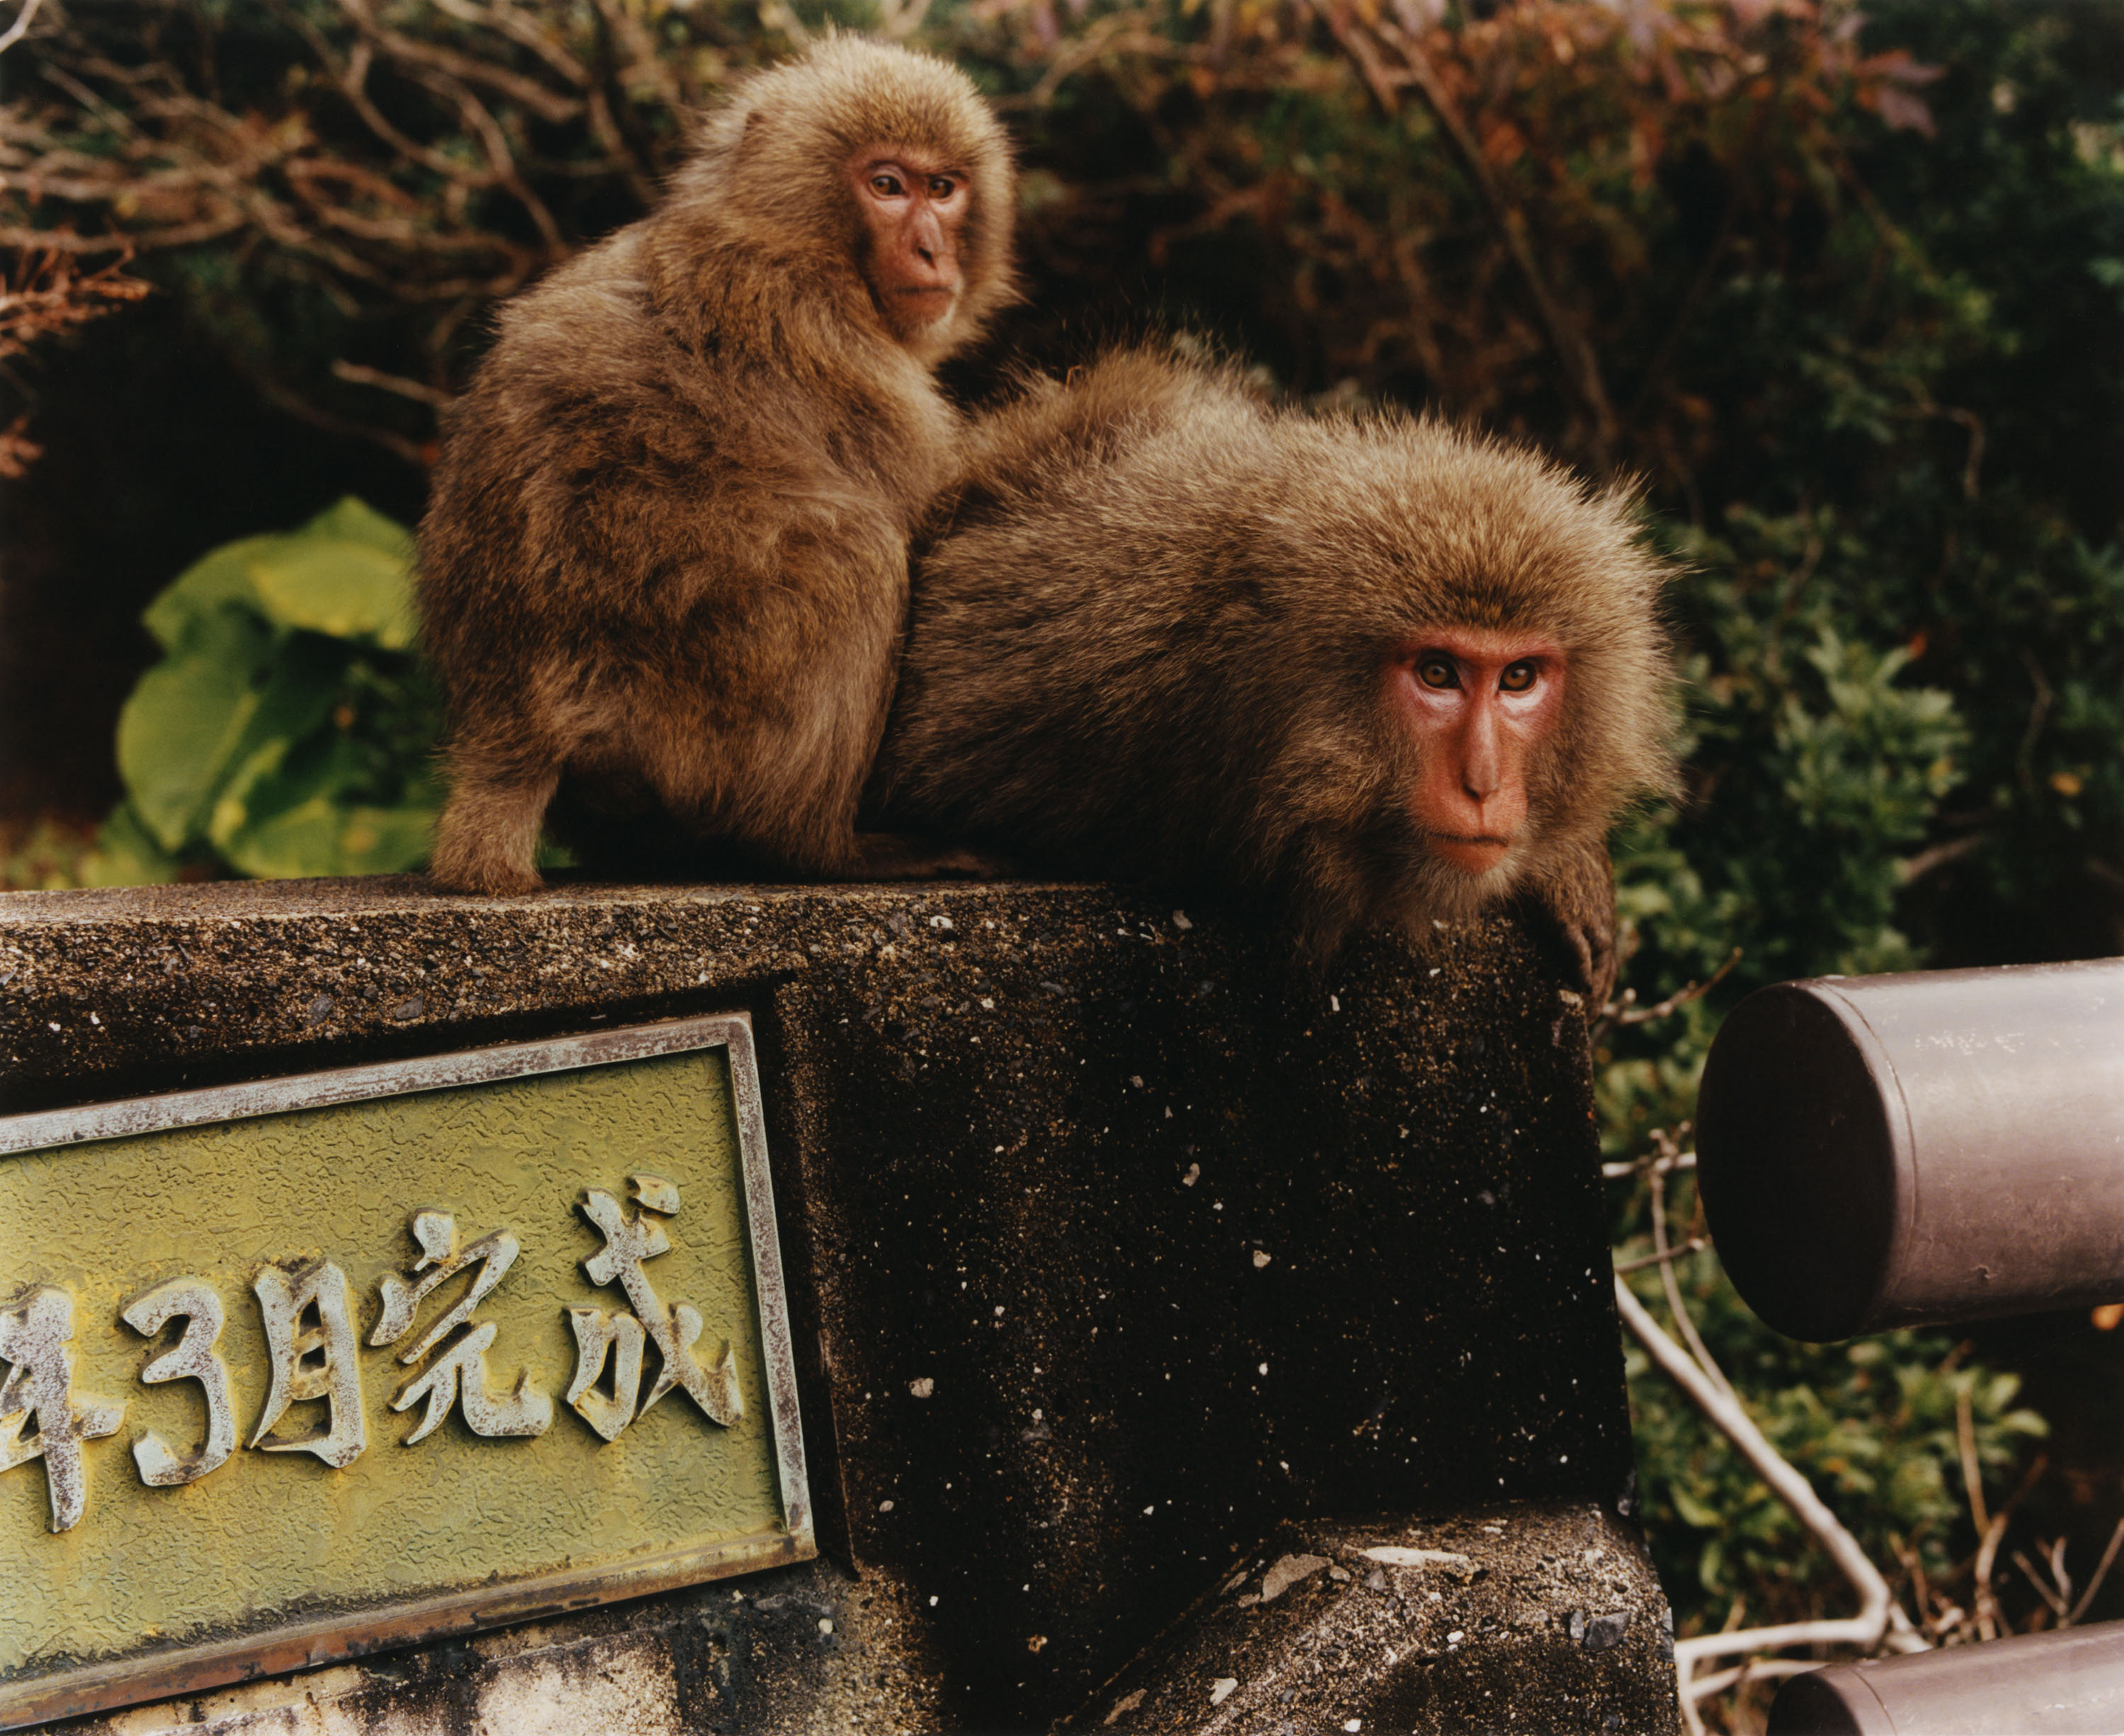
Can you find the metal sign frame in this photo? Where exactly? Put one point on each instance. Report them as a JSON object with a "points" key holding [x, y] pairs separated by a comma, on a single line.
{"points": [[302, 1644]]}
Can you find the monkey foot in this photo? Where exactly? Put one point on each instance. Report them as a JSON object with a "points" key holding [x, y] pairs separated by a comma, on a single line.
{"points": [[487, 880]]}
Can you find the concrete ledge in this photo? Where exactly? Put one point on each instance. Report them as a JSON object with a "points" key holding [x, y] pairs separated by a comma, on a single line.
{"points": [[1110, 1244], [1536, 1616]]}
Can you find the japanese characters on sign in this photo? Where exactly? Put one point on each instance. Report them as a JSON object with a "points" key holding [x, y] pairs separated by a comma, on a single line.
{"points": [[295, 1368], [307, 1311]]}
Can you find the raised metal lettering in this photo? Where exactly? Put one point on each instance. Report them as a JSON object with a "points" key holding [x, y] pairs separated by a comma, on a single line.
{"points": [[194, 1358], [628, 1242], [460, 1375], [34, 1332], [311, 1361]]}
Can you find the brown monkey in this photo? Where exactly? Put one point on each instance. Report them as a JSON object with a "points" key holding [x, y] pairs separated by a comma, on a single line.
{"points": [[1377, 671], [666, 555]]}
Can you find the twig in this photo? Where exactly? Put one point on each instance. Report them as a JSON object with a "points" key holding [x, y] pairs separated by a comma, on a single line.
{"points": [[1987, 1552], [20, 27], [1972, 1476], [1935, 856], [1694, 1244], [2039, 711], [2101, 1573], [2027, 1572], [1625, 1011], [1581, 369], [1733, 1675], [1668, 1283], [356, 375], [1878, 1616], [1638, 1166], [1987, 1601]]}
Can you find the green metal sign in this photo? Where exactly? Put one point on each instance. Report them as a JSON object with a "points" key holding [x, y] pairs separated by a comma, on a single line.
{"points": [[294, 1370]]}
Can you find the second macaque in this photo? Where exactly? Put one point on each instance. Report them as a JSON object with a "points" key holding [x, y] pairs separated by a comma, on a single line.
{"points": [[1373, 670], [664, 571]]}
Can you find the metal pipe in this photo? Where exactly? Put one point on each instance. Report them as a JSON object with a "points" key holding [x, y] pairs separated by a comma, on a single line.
{"points": [[2064, 1683], [1944, 1145]]}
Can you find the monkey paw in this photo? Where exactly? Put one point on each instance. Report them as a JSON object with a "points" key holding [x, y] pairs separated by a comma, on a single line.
{"points": [[488, 879], [888, 856], [1573, 901]]}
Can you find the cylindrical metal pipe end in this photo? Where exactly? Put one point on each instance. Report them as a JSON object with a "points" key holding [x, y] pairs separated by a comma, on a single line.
{"points": [[1901, 1150], [1800, 1160], [2066, 1683]]}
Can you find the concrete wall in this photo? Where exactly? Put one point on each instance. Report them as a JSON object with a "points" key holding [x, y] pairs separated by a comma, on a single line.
{"points": [[1113, 1246]]}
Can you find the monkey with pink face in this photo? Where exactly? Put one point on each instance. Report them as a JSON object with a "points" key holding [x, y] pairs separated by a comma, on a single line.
{"points": [[1375, 670], [664, 572]]}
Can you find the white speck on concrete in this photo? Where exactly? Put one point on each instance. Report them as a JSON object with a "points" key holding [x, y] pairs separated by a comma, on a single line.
{"points": [[1394, 1555]]}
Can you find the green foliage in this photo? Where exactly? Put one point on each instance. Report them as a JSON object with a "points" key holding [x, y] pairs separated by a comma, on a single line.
{"points": [[1872, 1424], [287, 728]]}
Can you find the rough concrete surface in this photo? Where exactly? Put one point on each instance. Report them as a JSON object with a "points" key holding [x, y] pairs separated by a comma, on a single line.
{"points": [[1111, 1244], [1514, 1617], [802, 1651]]}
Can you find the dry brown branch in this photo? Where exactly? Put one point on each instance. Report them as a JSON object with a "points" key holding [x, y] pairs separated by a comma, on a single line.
{"points": [[1567, 337], [356, 375], [1625, 1011], [1879, 1620], [20, 28], [1694, 1244], [1972, 1478], [2101, 1573], [1656, 1178], [44, 293], [2057, 1605]]}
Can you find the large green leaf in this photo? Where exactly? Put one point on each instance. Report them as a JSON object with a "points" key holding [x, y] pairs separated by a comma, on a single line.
{"points": [[185, 722], [293, 810], [346, 589], [216, 580], [354, 521], [296, 696], [126, 853], [319, 836]]}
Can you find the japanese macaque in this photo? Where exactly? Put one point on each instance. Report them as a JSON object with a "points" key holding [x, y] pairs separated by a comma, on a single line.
{"points": [[1372, 669], [666, 558]]}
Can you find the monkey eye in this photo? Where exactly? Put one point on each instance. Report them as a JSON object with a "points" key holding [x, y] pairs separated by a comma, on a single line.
{"points": [[942, 186], [1518, 677], [1434, 668], [887, 185]]}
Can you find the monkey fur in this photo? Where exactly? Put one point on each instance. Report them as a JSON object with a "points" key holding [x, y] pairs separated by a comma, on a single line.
{"points": [[1147, 638], [666, 556]]}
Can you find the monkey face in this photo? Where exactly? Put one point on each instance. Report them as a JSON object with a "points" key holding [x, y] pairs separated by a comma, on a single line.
{"points": [[1478, 704], [913, 207]]}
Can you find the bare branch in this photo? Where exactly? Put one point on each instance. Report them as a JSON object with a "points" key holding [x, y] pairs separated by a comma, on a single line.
{"points": [[1878, 1618], [20, 28], [2101, 1573], [1656, 1177], [1582, 369], [1626, 1012], [1694, 1244], [356, 375]]}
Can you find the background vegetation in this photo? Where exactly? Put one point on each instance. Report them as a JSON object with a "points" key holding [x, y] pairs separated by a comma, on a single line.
{"points": [[1846, 290]]}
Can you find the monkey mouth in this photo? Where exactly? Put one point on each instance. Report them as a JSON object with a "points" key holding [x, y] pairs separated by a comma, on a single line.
{"points": [[1473, 853]]}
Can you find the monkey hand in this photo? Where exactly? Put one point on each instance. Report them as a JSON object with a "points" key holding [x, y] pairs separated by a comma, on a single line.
{"points": [[889, 856], [1572, 899]]}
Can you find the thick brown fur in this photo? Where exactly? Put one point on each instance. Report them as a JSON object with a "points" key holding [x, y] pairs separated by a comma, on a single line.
{"points": [[666, 554], [1149, 640]]}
